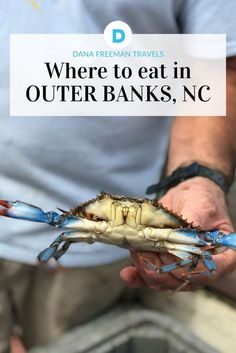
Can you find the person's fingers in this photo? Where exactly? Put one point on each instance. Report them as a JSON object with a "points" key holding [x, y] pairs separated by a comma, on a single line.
{"points": [[225, 261], [162, 281], [16, 345], [197, 278], [178, 280], [132, 278], [158, 282]]}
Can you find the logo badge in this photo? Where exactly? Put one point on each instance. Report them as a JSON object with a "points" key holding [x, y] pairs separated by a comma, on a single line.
{"points": [[117, 34]]}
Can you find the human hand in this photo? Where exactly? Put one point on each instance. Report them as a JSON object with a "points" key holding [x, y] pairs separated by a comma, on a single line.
{"points": [[16, 345], [202, 202]]}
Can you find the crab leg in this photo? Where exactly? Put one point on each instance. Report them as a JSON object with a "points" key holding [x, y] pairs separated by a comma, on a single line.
{"points": [[191, 236], [25, 211], [83, 228], [61, 251], [179, 235], [49, 252], [67, 238], [208, 262], [187, 259]]}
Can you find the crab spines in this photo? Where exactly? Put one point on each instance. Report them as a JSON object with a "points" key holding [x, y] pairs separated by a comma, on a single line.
{"points": [[25, 211]]}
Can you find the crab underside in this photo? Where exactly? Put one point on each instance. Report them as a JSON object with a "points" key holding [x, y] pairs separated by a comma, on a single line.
{"points": [[141, 224]]}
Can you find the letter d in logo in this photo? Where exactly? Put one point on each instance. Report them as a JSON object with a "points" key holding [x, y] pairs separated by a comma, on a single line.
{"points": [[117, 35]]}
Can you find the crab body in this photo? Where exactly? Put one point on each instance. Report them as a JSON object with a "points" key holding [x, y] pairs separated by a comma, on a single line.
{"points": [[141, 224]]}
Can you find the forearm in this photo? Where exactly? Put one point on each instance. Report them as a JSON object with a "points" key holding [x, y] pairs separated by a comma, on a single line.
{"points": [[207, 140], [210, 141]]}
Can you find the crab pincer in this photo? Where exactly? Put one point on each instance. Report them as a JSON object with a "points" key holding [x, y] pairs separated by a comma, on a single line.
{"points": [[25, 211], [52, 251], [218, 238]]}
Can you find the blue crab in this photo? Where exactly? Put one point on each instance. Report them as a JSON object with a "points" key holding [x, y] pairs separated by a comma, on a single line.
{"points": [[141, 224]]}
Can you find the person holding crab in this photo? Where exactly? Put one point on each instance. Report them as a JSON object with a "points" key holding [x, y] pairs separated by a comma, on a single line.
{"points": [[67, 160]]}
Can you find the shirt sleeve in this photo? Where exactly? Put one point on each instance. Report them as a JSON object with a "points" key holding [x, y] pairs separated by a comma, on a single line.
{"points": [[210, 17]]}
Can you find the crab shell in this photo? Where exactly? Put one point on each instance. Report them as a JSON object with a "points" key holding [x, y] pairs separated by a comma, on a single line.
{"points": [[129, 222], [134, 212]]}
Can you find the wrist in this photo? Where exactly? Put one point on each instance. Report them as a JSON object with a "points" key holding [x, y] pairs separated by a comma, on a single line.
{"points": [[206, 140], [188, 172], [226, 169], [199, 182]]}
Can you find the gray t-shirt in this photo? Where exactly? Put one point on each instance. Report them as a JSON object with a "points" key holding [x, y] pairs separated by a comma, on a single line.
{"points": [[62, 161]]}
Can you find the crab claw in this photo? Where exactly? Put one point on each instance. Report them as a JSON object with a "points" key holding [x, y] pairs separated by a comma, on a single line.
{"points": [[22, 210], [7, 205], [218, 238], [51, 251], [47, 254], [229, 241]]}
